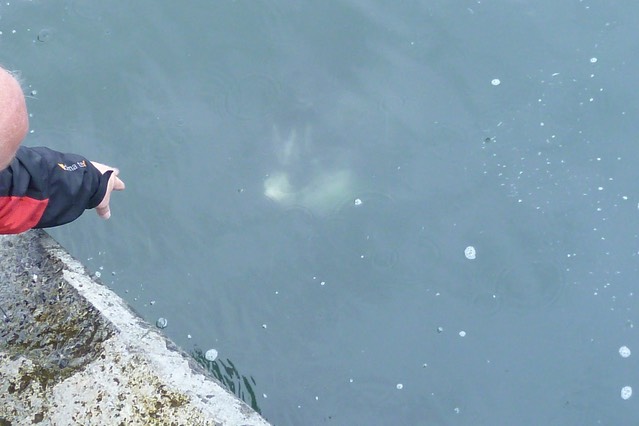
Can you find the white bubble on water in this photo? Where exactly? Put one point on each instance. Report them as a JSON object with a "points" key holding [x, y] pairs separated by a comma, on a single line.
{"points": [[495, 82], [211, 355], [400, 386], [626, 392], [470, 252], [624, 351], [161, 323]]}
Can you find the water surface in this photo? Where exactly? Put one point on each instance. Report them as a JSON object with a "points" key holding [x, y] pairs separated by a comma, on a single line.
{"points": [[303, 180]]}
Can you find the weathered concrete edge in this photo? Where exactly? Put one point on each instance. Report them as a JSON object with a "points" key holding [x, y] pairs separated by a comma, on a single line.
{"points": [[162, 363]]}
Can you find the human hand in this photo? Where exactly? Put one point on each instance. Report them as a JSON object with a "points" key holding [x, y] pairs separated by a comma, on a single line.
{"points": [[115, 184]]}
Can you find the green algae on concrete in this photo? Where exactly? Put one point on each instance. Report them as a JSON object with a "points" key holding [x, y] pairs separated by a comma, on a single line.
{"points": [[72, 352], [43, 318]]}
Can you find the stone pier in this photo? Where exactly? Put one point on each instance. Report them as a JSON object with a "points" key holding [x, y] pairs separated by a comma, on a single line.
{"points": [[72, 352]]}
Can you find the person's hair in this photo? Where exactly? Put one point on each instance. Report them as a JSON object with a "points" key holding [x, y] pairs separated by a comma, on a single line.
{"points": [[16, 74]]}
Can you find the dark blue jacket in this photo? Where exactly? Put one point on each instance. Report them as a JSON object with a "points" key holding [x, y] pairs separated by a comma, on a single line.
{"points": [[42, 188]]}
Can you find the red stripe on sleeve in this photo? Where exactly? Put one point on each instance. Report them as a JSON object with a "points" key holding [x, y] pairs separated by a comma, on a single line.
{"points": [[19, 214]]}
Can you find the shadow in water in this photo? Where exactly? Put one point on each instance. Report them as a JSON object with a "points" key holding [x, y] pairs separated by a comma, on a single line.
{"points": [[228, 375]]}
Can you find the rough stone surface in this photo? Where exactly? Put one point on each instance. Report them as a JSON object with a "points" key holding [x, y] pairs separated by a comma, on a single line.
{"points": [[72, 352]]}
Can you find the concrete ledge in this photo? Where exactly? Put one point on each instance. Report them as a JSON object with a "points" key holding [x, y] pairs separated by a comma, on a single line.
{"points": [[73, 352]]}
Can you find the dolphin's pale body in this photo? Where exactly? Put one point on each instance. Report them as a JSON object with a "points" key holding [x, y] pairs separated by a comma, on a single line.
{"points": [[319, 188]]}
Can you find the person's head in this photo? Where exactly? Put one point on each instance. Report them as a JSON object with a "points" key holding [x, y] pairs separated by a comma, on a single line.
{"points": [[14, 120]]}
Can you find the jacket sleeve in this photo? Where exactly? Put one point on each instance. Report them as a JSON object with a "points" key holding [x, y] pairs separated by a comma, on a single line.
{"points": [[42, 188]]}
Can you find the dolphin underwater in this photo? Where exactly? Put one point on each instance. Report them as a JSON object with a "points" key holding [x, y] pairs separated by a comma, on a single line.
{"points": [[324, 188]]}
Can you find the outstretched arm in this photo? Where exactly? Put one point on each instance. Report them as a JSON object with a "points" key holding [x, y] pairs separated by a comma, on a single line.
{"points": [[43, 188]]}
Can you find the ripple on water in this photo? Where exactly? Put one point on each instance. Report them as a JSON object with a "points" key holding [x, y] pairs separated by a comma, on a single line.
{"points": [[383, 236], [530, 284], [470, 282], [486, 303], [45, 35], [516, 266]]}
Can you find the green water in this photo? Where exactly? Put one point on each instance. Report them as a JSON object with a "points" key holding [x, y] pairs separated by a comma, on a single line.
{"points": [[304, 177]]}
